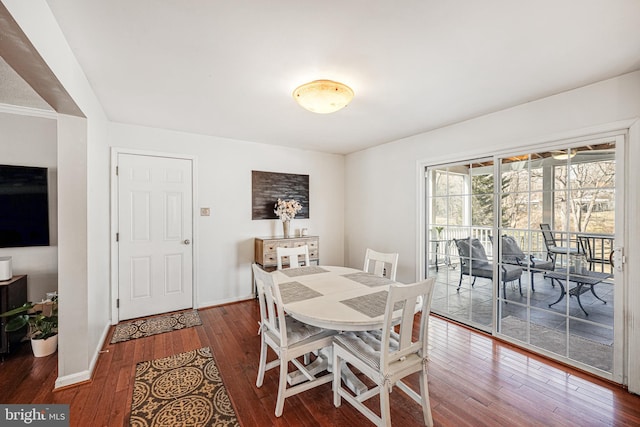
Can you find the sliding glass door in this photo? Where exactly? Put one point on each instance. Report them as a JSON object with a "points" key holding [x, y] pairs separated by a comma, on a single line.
{"points": [[526, 246], [460, 205]]}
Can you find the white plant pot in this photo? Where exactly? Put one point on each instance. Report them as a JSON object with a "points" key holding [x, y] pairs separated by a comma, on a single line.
{"points": [[42, 348]]}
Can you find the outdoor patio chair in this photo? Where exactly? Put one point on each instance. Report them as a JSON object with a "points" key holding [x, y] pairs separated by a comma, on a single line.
{"points": [[552, 248], [591, 256], [512, 254], [474, 263]]}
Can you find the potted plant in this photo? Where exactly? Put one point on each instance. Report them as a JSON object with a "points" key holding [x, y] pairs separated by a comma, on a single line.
{"points": [[42, 321]]}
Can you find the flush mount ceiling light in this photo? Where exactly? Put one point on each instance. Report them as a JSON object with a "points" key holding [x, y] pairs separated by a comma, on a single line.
{"points": [[564, 154], [323, 96]]}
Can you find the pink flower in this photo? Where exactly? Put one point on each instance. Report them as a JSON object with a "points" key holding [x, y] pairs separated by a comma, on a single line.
{"points": [[287, 209]]}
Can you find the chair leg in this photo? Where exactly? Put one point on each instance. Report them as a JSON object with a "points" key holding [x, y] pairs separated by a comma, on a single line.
{"points": [[424, 394], [385, 409], [282, 385], [520, 285], [460, 281], [533, 288], [262, 364], [337, 373]]}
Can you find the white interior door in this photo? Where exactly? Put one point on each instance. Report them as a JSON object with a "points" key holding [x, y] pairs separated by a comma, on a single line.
{"points": [[155, 256]]}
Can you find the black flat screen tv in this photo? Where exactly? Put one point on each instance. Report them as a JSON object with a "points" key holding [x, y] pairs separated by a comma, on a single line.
{"points": [[24, 206]]}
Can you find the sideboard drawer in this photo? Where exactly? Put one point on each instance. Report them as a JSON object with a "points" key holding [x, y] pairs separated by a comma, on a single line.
{"points": [[265, 248], [270, 246]]}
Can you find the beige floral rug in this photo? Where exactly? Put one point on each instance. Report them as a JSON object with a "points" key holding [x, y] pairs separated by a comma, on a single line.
{"points": [[181, 390], [155, 325]]}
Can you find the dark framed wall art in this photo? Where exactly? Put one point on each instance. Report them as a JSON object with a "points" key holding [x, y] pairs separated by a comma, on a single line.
{"points": [[268, 187]]}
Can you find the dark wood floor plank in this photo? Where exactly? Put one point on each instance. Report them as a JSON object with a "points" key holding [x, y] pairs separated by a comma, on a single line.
{"points": [[474, 380]]}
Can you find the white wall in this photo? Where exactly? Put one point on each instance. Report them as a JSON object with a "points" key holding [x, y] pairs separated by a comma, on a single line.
{"points": [[224, 242], [389, 188], [32, 141], [374, 183], [83, 249], [73, 357]]}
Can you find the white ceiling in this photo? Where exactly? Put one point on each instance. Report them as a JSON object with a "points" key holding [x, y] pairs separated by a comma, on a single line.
{"points": [[227, 68]]}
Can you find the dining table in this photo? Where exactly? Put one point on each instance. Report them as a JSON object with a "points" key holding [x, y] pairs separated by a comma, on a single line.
{"points": [[333, 297], [337, 298]]}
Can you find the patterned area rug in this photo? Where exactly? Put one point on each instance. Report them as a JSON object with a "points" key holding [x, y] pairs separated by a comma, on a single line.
{"points": [[155, 325], [181, 390]]}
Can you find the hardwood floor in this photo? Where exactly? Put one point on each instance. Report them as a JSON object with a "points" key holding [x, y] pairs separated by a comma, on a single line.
{"points": [[474, 380]]}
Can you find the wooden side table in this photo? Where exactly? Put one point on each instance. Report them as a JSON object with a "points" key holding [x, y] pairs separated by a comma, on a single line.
{"points": [[13, 294], [265, 249]]}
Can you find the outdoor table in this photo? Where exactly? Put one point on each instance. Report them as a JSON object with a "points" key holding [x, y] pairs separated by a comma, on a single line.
{"points": [[586, 280]]}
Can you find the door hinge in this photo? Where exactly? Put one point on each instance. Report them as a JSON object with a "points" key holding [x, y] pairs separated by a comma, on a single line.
{"points": [[118, 303], [117, 170], [117, 237]]}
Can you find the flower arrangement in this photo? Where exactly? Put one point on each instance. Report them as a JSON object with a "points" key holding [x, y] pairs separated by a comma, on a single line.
{"points": [[287, 209]]}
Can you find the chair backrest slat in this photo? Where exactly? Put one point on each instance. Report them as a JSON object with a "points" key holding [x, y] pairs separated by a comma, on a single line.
{"points": [[271, 310], [293, 254], [408, 297], [549, 239], [381, 262]]}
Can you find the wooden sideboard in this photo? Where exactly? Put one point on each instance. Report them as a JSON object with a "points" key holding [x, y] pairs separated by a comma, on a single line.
{"points": [[13, 294], [265, 249]]}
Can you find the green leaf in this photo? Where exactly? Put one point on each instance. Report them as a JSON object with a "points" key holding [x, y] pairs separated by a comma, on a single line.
{"points": [[22, 309], [17, 323]]}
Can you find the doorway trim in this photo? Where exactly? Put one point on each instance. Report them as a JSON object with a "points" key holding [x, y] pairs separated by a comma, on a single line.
{"points": [[113, 225]]}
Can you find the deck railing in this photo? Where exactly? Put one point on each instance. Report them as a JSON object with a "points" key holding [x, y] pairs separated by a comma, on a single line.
{"points": [[599, 250]]}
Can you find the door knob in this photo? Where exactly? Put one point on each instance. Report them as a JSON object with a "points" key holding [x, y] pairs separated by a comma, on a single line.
{"points": [[187, 241]]}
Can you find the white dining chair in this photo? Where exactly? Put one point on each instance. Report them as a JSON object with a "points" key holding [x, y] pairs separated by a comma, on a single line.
{"points": [[386, 356], [381, 264], [293, 255], [289, 339]]}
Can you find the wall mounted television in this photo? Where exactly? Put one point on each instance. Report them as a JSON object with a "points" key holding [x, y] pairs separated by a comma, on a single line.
{"points": [[24, 206]]}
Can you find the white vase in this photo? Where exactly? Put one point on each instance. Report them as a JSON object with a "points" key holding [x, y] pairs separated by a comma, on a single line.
{"points": [[285, 228], [42, 348]]}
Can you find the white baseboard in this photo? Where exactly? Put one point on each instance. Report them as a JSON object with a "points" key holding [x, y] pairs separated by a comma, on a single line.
{"points": [[82, 376], [207, 304], [72, 379]]}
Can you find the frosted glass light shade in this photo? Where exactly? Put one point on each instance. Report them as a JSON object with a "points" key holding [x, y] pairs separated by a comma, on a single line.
{"points": [[323, 96], [564, 155]]}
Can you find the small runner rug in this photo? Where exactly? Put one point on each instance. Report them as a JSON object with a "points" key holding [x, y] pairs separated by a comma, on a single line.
{"points": [[155, 325], [181, 390]]}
